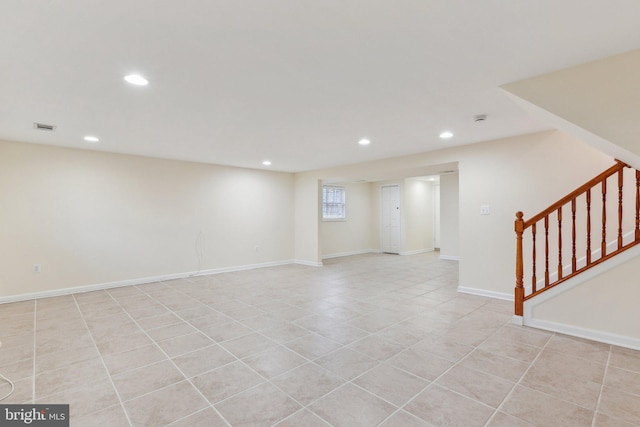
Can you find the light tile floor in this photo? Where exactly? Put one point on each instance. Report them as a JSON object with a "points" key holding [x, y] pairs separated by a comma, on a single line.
{"points": [[364, 341]]}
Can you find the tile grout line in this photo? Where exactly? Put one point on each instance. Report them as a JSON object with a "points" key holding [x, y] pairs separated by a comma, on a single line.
{"points": [[218, 344], [35, 332], [580, 405], [380, 362], [312, 361], [401, 408], [373, 334], [303, 409], [275, 294], [343, 346], [604, 378], [104, 365], [467, 314], [168, 357], [519, 381], [186, 416], [345, 381], [160, 361], [268, 380]]}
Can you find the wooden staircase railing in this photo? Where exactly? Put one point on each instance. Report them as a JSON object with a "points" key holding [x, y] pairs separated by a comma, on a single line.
{"points": [[579, 207]]}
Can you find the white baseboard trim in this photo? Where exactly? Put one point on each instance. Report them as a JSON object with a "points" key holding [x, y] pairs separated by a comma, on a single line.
{"points": [[307, 263], [90, 288], [590, 334], [341, 254], [416, 252], [450, 257], [240, 268], [378, 251], [517, 320], [485, 293], [139, 281]]}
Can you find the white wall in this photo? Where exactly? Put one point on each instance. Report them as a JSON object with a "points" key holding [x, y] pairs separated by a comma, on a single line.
{"points": [[578, 101], [605, 305], [418, 216], [376, 197], [352, 235], [449, 217], [527, 173], [307, 215], [92, 218]]}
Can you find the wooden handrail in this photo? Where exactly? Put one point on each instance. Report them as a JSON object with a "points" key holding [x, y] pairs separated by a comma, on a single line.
{"points": [[577, 192], [555, 212]]}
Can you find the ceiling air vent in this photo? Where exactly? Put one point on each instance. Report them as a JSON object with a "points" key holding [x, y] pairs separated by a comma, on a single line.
{"points": [[42, 126]]}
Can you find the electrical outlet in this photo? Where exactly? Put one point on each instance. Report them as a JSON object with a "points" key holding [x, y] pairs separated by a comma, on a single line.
{"points": [[485, 210], [37, 268]]}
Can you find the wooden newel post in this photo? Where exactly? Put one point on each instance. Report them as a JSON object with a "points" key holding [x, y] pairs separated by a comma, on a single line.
{"points": [[519, 290]]}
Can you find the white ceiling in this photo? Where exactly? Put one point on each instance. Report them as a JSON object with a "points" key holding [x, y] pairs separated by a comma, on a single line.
{"points": [[297, 82]]}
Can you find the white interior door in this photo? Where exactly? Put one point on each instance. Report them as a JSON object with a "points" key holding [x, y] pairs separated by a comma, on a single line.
{"points": [[390, 218]]}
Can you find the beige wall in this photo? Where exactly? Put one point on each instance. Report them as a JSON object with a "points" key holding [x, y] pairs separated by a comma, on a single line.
{"points": [[376, 195], [525, 173], [361, 231], [417, 216], [449, 216], [597, 102], [93, 218], [307, 215], [354, 234], [606, 304]]}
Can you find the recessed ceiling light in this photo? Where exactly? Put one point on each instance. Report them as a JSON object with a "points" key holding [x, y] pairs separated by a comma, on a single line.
{"points": [[266, 163], [364, 141], [446, 135], [136, 79], [90, 138]]}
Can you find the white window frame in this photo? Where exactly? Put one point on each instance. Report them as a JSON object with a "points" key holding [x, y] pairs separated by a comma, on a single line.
{"points": [[338, 204]]}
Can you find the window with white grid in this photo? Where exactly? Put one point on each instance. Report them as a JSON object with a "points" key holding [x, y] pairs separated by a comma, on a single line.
{"points": [[333, 203]]}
